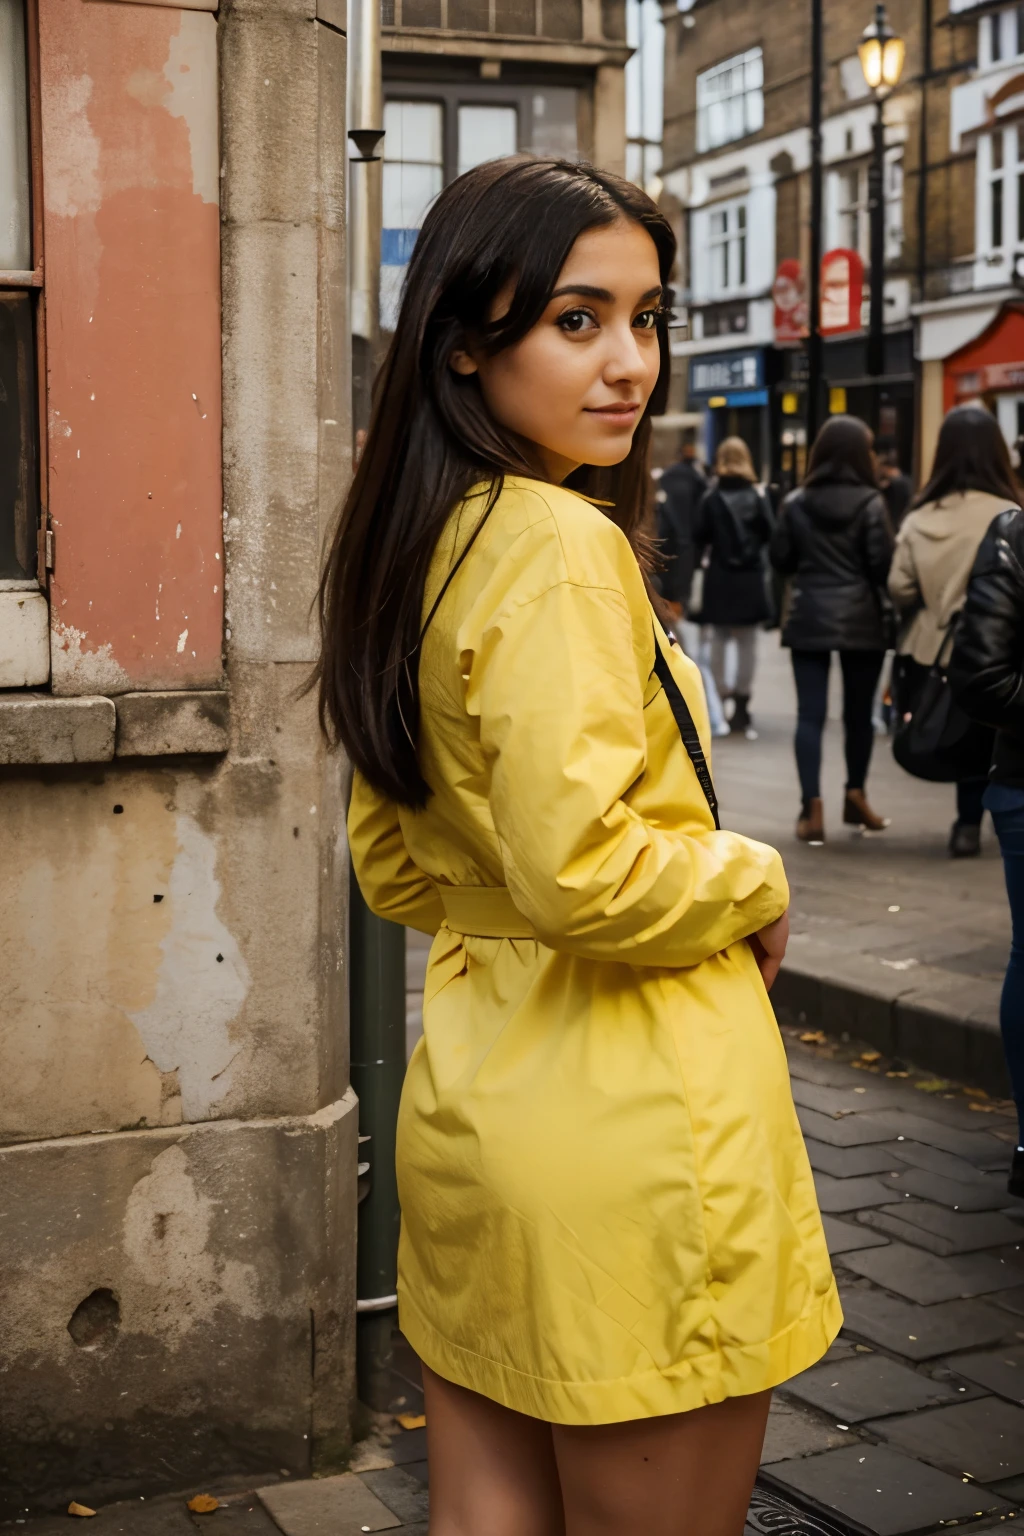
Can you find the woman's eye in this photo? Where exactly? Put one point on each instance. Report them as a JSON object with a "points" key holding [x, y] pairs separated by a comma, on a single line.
{"points": [[576, 320], [646, 320]]}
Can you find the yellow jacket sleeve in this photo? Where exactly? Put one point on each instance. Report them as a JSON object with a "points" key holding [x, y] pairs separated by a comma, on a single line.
{"points": [[392, 885], [561, 707]]}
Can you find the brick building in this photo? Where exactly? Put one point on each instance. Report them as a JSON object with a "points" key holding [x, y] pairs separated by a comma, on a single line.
{"points": [[736, 158]]}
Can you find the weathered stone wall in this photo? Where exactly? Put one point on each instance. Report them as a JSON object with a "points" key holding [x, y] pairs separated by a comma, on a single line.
{"points": [[177, 1142]]}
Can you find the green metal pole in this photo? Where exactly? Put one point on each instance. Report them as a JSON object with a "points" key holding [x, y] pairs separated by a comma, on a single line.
{"points": [[377, 996]]}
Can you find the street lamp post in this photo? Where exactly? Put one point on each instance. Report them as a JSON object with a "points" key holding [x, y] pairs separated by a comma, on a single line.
{"points": [[881, 58]]}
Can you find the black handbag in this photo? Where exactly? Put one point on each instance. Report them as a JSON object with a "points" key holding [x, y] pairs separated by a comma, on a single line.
{"points": [[933, 738]]}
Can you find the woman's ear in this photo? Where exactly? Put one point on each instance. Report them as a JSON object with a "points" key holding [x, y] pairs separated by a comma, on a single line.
{"points": [[460, 361]]}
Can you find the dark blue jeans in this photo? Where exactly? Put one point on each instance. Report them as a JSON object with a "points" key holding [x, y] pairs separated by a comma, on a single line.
{"points": [[861, 671], [1009, 825]]}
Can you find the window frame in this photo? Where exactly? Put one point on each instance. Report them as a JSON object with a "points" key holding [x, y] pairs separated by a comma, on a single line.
{"points": [[705, 141], [30, 282], [730, 245]]}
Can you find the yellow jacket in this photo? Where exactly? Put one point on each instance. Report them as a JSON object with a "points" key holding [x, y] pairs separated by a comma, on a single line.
{"points": [[607, 1207]]}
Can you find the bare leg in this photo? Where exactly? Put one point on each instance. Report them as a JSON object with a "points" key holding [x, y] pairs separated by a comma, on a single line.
{"points": [[492, 1471], [687, 1474]]}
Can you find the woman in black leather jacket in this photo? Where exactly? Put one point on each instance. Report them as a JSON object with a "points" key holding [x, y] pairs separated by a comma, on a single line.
{"points": [[986, 671], [834, 542]]}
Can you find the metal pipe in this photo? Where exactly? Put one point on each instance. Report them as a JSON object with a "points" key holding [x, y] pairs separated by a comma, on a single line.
{"points": [[365, 112], [922, 150], [876, 210], [814, 343]]}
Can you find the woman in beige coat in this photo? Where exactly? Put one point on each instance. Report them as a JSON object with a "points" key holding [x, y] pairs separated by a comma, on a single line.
{"points": [[971, 482]]}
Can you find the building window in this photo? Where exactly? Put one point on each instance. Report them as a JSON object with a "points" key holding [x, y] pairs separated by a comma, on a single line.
{"points": [[851, 208], [19, 399], [730, 100], [996, 193], [727, 245], [485, 133], [413, 176]]}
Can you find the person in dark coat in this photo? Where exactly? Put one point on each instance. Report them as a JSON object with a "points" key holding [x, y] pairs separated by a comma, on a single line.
{"points": [[677, 498], [896, 487], [986, 673], [834, 543], [733, 527]]}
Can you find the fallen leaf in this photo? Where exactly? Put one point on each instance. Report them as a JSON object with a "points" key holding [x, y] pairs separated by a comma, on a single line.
{"points": [[894, 1074], [984, 1109], [932, 1085], [79, 1509], [203, 1504], [976, 1093], [412, 1420], [814, 1037], [870, 1055]]}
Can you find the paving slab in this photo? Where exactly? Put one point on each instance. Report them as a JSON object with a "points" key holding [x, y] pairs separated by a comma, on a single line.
{"points": [[408, 1445], [985, 1194], [243, 1516], [920, 1333], [983, 1440], [327, 1506], [838, 1195], [846, 1236], [978, 1148], [417, 1469], [867, 1387], [794, 1430], [926, 1278], [1013, 1300], [1000, 1371], [847, 1131], [936, 1161], [943, 1231], [883, 1491], [404, 1494], [809, 1068], [850, 1162], [847, 1100], [128, 1517]]}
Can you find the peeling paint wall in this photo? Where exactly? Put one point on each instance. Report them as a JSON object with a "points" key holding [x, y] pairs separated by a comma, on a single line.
{"points": [[132, 293], [177, 1138]]}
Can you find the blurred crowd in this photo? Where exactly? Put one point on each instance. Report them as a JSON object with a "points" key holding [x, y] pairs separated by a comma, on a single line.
{"points": [[921, 597]]}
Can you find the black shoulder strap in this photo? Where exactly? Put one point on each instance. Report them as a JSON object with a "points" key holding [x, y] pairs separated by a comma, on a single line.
{"points": [[687, 729]]}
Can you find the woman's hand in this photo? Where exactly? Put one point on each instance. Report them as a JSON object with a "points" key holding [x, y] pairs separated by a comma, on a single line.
{"points": [[769, 946]]}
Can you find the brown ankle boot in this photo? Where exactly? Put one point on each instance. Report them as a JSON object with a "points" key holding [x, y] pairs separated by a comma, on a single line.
{"points": [[811, 826], [858, 813]]}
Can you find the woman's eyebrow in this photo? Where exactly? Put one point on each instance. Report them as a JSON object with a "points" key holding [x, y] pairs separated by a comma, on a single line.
{"points": [[587, 291]]}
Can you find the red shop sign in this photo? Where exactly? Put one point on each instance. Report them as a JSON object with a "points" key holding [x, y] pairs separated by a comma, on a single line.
{"points": [[842, 291], [790, 303], [990, 376]]}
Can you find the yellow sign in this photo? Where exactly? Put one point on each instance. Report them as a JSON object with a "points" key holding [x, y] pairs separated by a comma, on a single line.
{"points": [[716, 400], [790, 404], [837, 400]]}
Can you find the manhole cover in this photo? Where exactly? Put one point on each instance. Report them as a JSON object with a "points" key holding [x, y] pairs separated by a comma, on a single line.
{"points": [[771, 1516]]}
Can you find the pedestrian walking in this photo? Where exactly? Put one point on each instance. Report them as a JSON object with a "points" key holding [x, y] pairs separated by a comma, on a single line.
{"points": [[897, 488], [734, 526], [833, 542], [987, 674], [610, 1248], [971, 482]]}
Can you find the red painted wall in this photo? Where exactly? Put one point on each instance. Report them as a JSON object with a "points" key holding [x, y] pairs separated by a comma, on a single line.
{"points": [[132, 294], [1000, 343]]}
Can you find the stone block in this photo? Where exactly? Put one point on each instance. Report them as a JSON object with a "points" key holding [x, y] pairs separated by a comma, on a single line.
{"points": [[984, 1194], [847, 1131], [269, 67], [883, 1492], [943, 1231], [327, 1506], [839, 1195], [24, 639], [164, 1292], [983, 1440], [36, 728], [848, 1236], [924, 1278], [918, 1332], [402, 1492], [850, 1162], [794, 1431], [1001, 1371], [866, 1386], [168, 724]]}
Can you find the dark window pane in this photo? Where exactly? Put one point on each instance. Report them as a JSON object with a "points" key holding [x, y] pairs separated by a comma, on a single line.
{"points": [[518, 16], [997, 214], [421, 13], [995, 24], [469, 15], [1020, 209], [1019, 18], [997, 150], [562, 18], [19, 487]]}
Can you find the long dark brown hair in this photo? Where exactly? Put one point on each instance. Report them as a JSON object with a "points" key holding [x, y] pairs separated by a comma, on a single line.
{"points": [[842, 451], [431, 439], [970, 455]]}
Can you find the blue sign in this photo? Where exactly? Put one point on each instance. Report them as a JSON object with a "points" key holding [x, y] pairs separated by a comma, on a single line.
{"points": [[725, 373]]}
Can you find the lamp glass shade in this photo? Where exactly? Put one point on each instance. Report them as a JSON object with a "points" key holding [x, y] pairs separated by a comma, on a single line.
{"points": [[892, 60], [870, 54]]}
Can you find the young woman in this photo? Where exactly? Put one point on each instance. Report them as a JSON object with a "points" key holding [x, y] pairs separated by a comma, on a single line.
{"points": [[610, 1249], [987, 674], [834, 543], [734, 525], [971, 483]]}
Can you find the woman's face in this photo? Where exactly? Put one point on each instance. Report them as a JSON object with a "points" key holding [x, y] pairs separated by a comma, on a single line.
{"points": [[578, 382]]}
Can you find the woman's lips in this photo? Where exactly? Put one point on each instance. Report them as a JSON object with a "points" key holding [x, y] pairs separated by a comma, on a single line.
{"points": [[616, 415]]}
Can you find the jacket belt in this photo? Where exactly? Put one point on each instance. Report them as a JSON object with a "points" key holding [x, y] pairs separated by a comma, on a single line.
{"points": [[484, 912]]}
